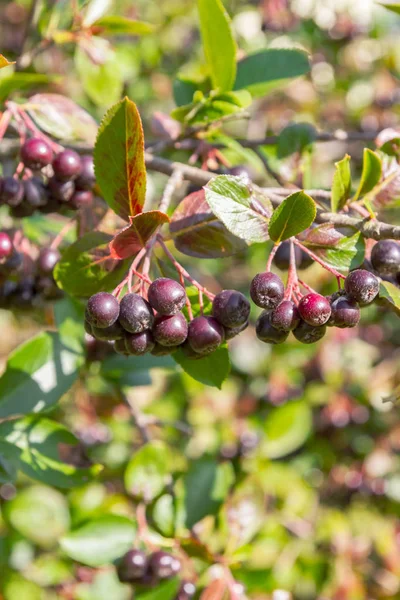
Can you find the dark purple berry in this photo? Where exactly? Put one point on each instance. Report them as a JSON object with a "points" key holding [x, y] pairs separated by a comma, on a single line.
{"points": [[267, 290], [12, 191], [13, 263], [164, 565], [36, 154], [282, 256], [231, 308], [139, 343], [241, 171], [24, 294], [67, 165], [86, 178], [285, 316], [61, 190], [102, 310], [133, 566], [170, 330], [81, 198], [231, 332], [6, 246], [191, 354], [186, 591], [306, 261], [315, 309], [160, 350], [109, 334], [136, 314], [48, 258], [308, 334], [22, 210], [268, 334], [345, 313], [205, 334], [166, 296], [120, 347], [385, 257], [362, 286], [35, 192]]}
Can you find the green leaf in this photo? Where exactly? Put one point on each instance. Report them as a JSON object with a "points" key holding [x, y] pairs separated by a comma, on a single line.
{"points": [[117, 25], [103, 81], [20, 82], [206, 484], [342, 248], [148, 471], [244, 210], [40, 514], [286, 429], [218, 43], [371, 173], [196, 231], [43, 446], [9, 462], [296, 137], [120, 147], [390, 295], [393, 7], [37, 375], [211, 108], [84, 269], [105, 585], [134, 236], [166, 590], [130, 371], [211, 370], [341, 185], [294, 215], [62, 118], [265, 70], [100, 541], [69, 315], [184, 89]]}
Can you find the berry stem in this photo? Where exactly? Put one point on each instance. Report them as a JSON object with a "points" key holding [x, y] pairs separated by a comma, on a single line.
{"points": [[61, 235], [182, 271], [319, 260], [271, 257], [292, 281], [307, 287], [4, 122]]}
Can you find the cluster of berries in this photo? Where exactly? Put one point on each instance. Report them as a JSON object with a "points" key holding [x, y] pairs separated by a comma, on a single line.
{"points": [[158, 325], [49, 182], [137, 568], [309, 319], [385, 260], [25, 282]]}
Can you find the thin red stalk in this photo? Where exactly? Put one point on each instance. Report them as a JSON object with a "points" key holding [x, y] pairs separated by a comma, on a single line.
{"points": [[61, 235], [292, 281], [271, 257], [319, 260], [32, 127], [307, 287], [4, 122]]}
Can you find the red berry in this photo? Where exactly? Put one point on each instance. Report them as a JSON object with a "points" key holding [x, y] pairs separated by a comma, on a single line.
{"points": [[267, 333], [231, 308], [267, 290], [166, 296], [362, 286], [86, 178], [67, 165], [36, 154], [315, 309], [205, 334], [6, 246]]}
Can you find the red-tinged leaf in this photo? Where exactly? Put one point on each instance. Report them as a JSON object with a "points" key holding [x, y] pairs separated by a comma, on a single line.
{"points": [[4, 62], [341, 247], [135, 235], [62, 118], [198, 232], [119, 159]]}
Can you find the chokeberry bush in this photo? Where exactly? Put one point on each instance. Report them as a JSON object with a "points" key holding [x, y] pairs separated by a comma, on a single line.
{"points": [[199, 300]]}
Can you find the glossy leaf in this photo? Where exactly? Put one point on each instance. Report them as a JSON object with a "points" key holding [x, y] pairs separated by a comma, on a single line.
{"points": [[101, 80], [87, 268], [20, 82], [371, 173], [120, 146], [134, 236], [294, 215], [61, 118], [166, 590], [207, 109], [267, 69], [198, 232], [206, 486], [38, 373], [287, 428], [341, 186], [118, 25], [148, 471], [69, 318], [211, 370], [341, 247], [390, 295], [218, 43], [4, 62], [44, 445], [296, 137], [100, 541], [243, 209]]}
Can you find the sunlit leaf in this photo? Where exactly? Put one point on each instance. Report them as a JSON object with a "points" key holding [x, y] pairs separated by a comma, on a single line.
{"points": [[341, 186], [293, 215]]}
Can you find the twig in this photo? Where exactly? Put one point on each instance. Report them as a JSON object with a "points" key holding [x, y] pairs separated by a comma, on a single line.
{"points": [[274, 174]]}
